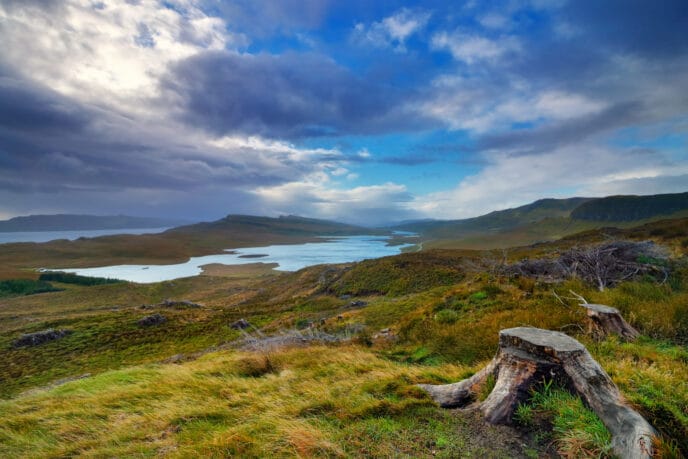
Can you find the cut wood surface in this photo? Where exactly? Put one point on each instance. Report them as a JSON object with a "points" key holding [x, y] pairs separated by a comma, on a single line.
{"points": [[605, 320], [528, 356]]}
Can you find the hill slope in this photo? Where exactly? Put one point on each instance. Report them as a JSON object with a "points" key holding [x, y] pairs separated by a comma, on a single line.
{"points": [[69, 222], [630, 208], [548, 220]]}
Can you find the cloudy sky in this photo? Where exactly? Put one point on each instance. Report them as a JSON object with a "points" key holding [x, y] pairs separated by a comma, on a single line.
{"points": [[353, 110]]}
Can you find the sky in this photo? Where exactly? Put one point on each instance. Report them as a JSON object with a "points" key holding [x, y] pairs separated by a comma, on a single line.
{"points": [[361, 111]]}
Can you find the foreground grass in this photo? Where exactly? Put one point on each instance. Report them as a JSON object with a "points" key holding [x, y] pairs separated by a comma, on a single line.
{"points": [[576, 430], [318, 401]]}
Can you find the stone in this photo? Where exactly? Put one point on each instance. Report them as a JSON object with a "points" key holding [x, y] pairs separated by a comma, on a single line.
{"points": [[240, 324], [154, 319], [37, 338]]}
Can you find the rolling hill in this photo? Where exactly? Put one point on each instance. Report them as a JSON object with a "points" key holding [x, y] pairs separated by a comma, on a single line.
{"points": [[547, 220], [69, 222], [172, 246]]}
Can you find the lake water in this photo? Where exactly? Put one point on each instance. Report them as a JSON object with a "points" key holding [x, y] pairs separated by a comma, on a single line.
{"points": [[45, 236], [290, 257]]}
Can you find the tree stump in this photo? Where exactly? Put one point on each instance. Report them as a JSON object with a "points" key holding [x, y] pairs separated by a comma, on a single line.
{"points": [[605, 320], [527, 357]]}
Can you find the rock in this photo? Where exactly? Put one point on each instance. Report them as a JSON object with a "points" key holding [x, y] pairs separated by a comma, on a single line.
{"points": [[357, 304], [240, 324], [176, 304], [525, 358], [34, 339], [605, 320], [149, 321], [176, 358], [345, 297], [183, 304]]}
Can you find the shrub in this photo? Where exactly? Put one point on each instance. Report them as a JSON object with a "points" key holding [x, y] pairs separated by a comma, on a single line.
{"points": [[478, 296], [71, 278], [254, 366], [447, 316], [19, 287]]}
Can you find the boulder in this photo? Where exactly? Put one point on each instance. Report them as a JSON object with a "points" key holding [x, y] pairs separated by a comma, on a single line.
{"points": [[154, 319], [34, 339], [240, 324]]}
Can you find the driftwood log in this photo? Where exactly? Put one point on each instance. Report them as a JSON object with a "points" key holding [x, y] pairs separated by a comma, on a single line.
{"points": [[605, 320], [527, 357]]}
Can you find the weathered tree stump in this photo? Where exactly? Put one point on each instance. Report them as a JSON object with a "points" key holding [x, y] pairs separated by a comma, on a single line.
{"points": [[605, 320], [527, 357]]}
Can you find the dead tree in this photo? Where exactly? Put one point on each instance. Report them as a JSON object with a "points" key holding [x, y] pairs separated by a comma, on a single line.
{"points": [[605, 320], [602, 265], [528, 356]]}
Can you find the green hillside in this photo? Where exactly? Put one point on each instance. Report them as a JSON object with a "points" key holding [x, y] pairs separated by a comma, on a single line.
{"points": [[498, 220], [548, 220], [67, 222], [630, 208]]}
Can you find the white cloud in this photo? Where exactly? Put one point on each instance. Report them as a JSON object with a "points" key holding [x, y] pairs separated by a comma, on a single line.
{"points": [[494, 21], [111, 54], [509, 181], [317, 197], [392, 31], [472, 48], [465, 103]]}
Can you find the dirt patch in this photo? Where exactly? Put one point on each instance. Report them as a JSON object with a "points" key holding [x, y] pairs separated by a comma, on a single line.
{"points": [[497, 441]]}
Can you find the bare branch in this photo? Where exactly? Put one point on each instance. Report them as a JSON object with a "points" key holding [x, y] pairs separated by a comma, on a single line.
{"points": [[580, 298]]}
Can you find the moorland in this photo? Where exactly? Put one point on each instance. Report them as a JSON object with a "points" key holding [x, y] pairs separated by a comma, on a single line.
{"points": [[246, 361]]}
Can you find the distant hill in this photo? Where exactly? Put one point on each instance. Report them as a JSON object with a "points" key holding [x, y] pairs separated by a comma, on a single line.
{"points": [[239, 226], [498, 220], [630, 208], [175, 245], [67, 222], [547, 220]]}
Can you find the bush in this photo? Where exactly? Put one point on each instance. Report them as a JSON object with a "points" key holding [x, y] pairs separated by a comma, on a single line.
{"points": [[447, 316], [19, 287], [71, 278]]}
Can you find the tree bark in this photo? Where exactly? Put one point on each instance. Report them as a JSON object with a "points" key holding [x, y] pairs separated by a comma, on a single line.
{"points": [[528, 356], [605, 320]]}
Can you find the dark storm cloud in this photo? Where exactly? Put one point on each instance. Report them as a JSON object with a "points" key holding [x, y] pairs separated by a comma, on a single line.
{"points": [[29, 108], [50, 143], [290, 95], [651, 29], [555, 135], [630, 55]]}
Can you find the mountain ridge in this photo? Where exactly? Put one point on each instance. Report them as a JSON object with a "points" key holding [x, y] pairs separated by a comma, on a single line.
{"points": [[73, 222]]}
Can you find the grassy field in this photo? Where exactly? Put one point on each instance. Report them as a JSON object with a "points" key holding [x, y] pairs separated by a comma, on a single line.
{"points": [[186, 387]]}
